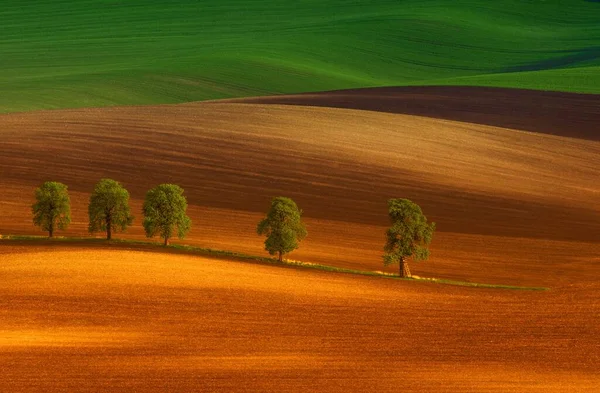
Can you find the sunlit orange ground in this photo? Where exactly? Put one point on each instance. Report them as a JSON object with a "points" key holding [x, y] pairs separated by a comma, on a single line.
{"points": [[88, 319], [511, 207]]}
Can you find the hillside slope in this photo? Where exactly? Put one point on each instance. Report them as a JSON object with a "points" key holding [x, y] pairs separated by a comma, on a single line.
{"points": [[80, 319], [68, 53], [494, 192], [563, 114]]}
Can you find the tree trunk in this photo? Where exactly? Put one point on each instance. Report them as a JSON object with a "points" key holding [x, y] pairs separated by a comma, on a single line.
{"points": [[403, 269], [51, 232], [280, 257], [108, 229], [166, 240]]}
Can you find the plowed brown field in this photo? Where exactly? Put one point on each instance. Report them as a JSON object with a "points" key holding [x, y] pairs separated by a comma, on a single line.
{"points": [[104, 319], [548, 112], [512, 207], [502, 195]]}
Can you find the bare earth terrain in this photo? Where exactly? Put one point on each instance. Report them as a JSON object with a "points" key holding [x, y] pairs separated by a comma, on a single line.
{"points": [[87, 320], [548, 112], [512, 207]]}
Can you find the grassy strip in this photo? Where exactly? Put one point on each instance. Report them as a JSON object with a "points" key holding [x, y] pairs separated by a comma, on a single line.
{"points": [[225, 254]]}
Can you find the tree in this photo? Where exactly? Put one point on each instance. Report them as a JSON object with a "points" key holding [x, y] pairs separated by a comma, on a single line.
{"points": [[282, 226], [409, 235], [53, 207], [164, 211], [109, 208]]}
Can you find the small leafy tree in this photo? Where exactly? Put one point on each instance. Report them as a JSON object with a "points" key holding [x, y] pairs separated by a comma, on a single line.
{"points": [[164, 211], [409, 235], [53, 207], [109, 208], [282, 226]]}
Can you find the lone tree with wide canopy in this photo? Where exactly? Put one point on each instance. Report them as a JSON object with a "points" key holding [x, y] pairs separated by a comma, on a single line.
{"points": [[109, 208], [53, 207], [165, 211], [408, 237], [282, 227]]}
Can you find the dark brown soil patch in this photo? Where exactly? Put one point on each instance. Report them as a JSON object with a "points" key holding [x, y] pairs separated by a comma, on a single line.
{"points": [[555, 113]]}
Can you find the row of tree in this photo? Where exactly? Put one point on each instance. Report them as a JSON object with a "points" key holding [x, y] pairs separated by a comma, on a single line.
{"points": [[164, 212], [164, 209]]}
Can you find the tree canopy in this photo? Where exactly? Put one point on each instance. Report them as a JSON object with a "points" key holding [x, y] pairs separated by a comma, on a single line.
{"points": [[282, 226], [52, 209], [165, 211], [409, 235], [108, 209]]}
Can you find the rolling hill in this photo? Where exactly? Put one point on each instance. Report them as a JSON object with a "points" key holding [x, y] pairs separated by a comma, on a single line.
{"points": [[493, 191], [484, 113], [61, 54], [512, 207], [546, 112], [85, 319]]}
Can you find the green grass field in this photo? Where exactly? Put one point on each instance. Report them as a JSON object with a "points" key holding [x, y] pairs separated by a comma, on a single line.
{"points": [[78, 53]]}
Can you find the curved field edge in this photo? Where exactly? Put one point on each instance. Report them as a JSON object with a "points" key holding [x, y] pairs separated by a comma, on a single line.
{"points": [[233, 158], [573, 80], [139, 52], [237, 256], [556, 113]]}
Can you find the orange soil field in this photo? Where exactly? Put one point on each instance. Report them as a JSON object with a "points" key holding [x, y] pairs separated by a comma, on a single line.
{"points": [[512, 207], [495, 193], [127, 320]]}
